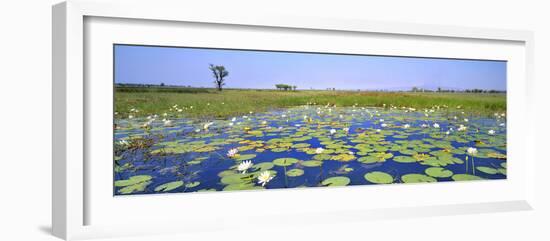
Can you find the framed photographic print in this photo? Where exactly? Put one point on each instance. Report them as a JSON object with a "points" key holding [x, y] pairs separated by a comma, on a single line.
{"points": [[156, 112], [271, 119]]}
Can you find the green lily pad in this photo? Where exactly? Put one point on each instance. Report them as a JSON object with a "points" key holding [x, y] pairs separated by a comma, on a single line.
{"points": [[488, 170], [343, 157], [404, 159], [438, 172], [322, 157], [295, 172], [192, 184], [416, 178], [312, 163], [237, 178], [336, 181], [465, 177], [239, 186], [284, 162], [245, 157], [168, 186], [301, 145], [133, 184], [379, 177], [133, 180], [263, 166]]}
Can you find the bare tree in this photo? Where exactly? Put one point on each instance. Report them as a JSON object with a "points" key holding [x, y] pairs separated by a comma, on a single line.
{"points": [[219, 72]]}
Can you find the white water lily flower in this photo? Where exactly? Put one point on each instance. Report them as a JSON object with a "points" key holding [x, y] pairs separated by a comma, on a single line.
{"points": [[130, 117], [465, 120], [502, 124], [381, 120], [123, 142], [384, 125], [351, 153], [264, 178], [198, 130], [462, 128], [283, 116], [346, 129], [424, 126], [168, 123], [435, 125], [447, 133], [245, 165], [491, 132], [207, 125], [378, 130], [234, 119], [147, 124], [471, 150], [264, 122], [406, 126], [305, 117], [332, 131], [232, 152], [245, 117], [319, 150], [231, 123], [297, 125]]}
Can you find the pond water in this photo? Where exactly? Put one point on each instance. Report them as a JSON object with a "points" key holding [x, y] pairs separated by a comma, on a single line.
{"points": [[307, 146]]}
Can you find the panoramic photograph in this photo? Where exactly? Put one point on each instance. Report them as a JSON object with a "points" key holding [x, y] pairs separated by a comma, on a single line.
{"points": [[205, 119]]}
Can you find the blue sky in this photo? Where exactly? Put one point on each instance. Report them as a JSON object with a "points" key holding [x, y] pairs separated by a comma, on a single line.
{"points": [[264, 69]]}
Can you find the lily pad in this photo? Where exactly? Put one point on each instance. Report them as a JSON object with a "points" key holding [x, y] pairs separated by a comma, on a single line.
{"points": [[488, 170], [312, 163], [336, 181], [133, 184], [438, 172], [132, 180], [245, 157], [416, 178], [168, 186], [192, 184], [379, 177], [263, 166], [295, 172], [465, 177], [404, 159], [284, 162]]}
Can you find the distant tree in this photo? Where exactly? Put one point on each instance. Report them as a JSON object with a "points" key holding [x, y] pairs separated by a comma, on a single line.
{"points": [[161, 84], [294, 87], [438, 89], [219, 73]]}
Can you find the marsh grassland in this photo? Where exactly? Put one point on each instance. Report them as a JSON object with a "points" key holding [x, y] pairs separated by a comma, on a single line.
{"points": [[192, 139], [213, 103]]}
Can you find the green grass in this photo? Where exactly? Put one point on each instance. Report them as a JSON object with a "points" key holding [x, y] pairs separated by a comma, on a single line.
{"points": [[231, 102]]}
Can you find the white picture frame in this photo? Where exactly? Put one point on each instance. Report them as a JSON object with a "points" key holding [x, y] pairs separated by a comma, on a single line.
{"points": [[72, 115]]}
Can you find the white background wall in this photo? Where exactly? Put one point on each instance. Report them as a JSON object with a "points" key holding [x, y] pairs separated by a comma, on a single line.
{"points": [[25, 118]]}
